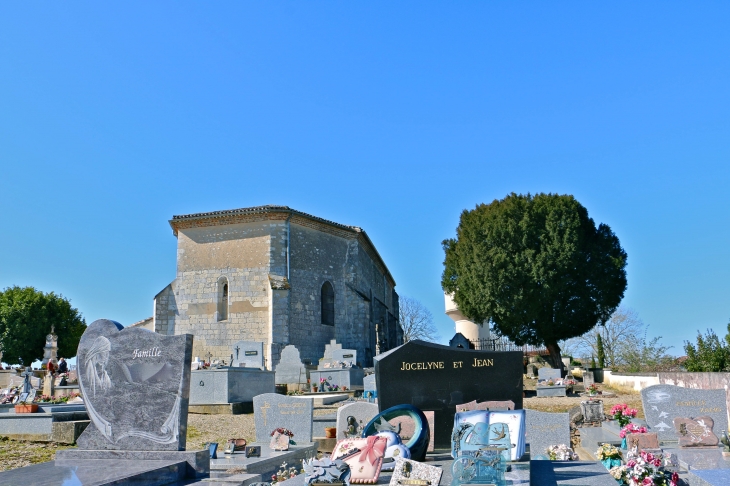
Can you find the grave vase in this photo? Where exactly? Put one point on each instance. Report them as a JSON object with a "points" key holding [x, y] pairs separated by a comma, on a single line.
{"points": [[623, 443], [609, 463], [26, 408]]}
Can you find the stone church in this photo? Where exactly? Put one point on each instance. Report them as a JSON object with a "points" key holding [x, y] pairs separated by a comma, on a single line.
{"points": [[279, 276]]}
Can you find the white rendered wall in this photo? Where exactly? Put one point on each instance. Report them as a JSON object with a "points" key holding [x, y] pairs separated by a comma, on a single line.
{"points": [[469, 329]]}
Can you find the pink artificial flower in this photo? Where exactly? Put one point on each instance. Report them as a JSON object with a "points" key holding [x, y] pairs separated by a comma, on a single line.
{"points": [[647, 482], [631, 463]]}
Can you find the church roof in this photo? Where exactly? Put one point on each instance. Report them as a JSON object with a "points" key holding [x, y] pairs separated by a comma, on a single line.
{"points": [[231, 216]]}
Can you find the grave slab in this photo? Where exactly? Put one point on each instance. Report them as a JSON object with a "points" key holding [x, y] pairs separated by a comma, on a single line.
{"points": [[248, 354], [269, 462], [198, 462], [550, 391], [663, 403], [437, 378], [272, 411], [569, 473], [96, 472], [229, 385], [544, 429], [709, 477]]}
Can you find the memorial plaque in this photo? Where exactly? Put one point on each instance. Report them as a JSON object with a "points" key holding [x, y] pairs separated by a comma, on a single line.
{"points": [[135, 385], [413, 473], [272, 411], [695, 432], [545, 429], [648, 440], [248, 354], [438, 378], [351, 418], [664, 403], [592, 410], [345, 356]]}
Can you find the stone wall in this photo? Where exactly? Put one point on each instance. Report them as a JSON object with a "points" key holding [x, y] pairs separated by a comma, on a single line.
{"points": [[275, 267]]}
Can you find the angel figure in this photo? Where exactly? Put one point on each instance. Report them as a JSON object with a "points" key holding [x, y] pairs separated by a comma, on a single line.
{"points": [[96, 360]]}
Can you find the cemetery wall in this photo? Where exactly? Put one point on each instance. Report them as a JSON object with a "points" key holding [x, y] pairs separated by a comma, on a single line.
{"points": [[701, 381], [634, 381]]}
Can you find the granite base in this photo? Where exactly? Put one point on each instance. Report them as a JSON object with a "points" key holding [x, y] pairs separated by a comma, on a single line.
{"points": [[98, 472], [269, 462], [222, 409], [198, 462]]}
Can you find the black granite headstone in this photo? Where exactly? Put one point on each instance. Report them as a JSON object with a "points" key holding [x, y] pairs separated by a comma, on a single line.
{"points": [[436, 377]]}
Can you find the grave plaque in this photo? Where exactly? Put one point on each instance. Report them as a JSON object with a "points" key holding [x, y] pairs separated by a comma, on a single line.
{"points": [[248, 354], [135, 385], [272, 411], [290, 368], [695, 432], [361, 412], [545, 429], [648, 440], [592, 410], [544, 374], [438, 378], [588, 379], [369, 383], [664, 403]]}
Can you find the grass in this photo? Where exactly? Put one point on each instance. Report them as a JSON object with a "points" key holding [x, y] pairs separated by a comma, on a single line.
{"points": [[18, 453]]}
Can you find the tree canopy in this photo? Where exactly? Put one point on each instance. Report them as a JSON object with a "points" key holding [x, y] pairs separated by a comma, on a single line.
{"points": [[537, 267], [709, 354], [26, 317]]}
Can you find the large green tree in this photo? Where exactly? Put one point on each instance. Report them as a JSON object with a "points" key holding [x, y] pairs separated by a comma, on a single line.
{"points": [[26, 317], [537, 267]]}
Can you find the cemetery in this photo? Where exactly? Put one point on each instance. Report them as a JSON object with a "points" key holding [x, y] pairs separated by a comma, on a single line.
{"points": [[434, 415]]}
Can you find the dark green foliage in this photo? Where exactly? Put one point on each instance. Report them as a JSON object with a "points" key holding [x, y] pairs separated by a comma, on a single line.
{"points": [[537, 267], [600, 352], [26, 316], [593, 362], [709, 354]]}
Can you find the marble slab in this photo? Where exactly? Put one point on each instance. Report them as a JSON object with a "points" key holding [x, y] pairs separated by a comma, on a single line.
{"points": [[136, 386], [544, 429], [663, 403], [248, 354], [272, 411]]}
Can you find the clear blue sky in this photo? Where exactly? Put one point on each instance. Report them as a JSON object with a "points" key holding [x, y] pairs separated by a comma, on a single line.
{"points": [[392, 116]]}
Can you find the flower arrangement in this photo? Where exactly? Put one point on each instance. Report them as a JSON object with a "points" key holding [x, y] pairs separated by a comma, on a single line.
{"points": [[607, 451], [623, 414], [569, 382], [550, 383], [631, 429], [561, 452], [644, 470], [282, 431], [284, 473], [324, 385], [54, 399], [592, 389]]}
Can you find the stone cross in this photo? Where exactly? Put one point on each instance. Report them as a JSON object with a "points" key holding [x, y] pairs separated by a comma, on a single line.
{"points": [[26, 382], [209, 356]]}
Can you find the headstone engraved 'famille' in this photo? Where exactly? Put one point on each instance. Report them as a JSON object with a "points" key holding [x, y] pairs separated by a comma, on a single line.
{"points": [[135, 385]]}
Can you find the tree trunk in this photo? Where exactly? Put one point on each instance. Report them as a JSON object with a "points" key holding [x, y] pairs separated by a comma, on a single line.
{"points": [[554, 351]]}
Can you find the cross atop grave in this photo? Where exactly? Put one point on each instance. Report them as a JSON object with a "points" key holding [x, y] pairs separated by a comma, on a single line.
{"points": [[209, 356], [26, 382], [237, 348], [329, 348]]}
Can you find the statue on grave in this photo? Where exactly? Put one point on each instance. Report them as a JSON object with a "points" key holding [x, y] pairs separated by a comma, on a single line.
{"points": [[353, 429]]}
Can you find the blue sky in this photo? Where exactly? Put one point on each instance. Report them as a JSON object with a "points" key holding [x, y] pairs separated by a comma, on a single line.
{"points": [[392, 116]]}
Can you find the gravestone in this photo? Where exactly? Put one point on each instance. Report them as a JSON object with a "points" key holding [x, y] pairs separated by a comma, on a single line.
{"points": [[496, 405], [592, 410], [248, 354], [290, 369], [369, 383], [135, 385], [588, 379], [329, 348], [272, 411], [345, 356], [663, 403], [531, 370], [544, 374], [460, 341], [545, 429], [435, 377], [648, 440], [363, 413]]}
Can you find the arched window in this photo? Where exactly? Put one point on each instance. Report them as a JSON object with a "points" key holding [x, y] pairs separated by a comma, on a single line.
{"points": [[222, 299], [328, 304]]}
